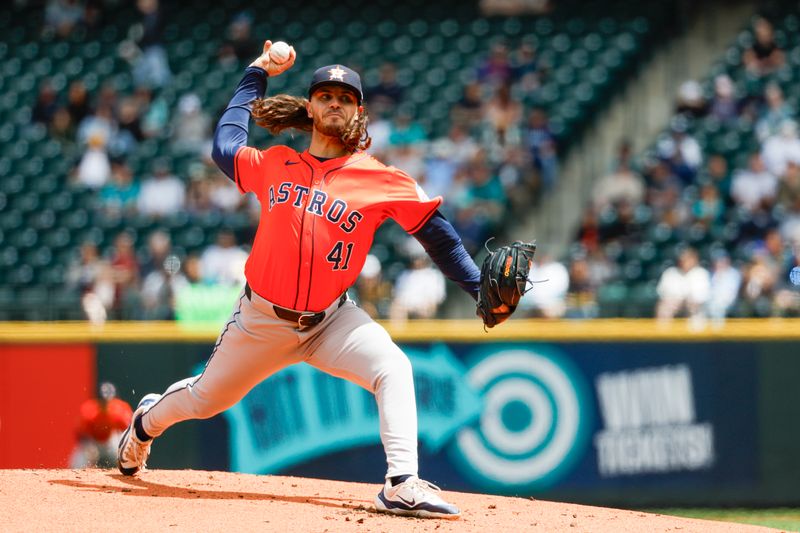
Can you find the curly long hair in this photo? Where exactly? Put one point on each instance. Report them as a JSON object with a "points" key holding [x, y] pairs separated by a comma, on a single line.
{"points": [[283, 111]]}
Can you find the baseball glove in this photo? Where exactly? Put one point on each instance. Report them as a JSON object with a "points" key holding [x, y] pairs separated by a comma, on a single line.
{"points": [[504, 279]]}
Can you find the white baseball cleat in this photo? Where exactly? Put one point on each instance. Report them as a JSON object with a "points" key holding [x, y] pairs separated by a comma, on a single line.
{"points": [[414, 497], [131, 452]]}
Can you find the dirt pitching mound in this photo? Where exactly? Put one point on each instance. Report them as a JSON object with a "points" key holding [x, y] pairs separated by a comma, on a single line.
{"points": [[191, 500]]}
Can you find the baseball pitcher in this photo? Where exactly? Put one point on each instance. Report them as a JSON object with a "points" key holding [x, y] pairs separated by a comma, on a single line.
{"points": [[320, 209]]}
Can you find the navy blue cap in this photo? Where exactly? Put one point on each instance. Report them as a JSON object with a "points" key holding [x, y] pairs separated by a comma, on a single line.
{"points": [[336, 75]]}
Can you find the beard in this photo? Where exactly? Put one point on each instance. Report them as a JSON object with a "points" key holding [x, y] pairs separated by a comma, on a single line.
{"points": [[329, 129]]}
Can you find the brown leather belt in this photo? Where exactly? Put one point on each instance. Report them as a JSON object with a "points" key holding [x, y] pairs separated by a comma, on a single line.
{"points": [[304, 319]]}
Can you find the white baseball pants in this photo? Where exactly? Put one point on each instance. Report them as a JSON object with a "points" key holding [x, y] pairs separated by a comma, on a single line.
{"points": [[255, 344]]}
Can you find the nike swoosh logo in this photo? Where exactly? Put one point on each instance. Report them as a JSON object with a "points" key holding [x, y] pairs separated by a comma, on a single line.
{"points": [[412, 503], [291, 163]]}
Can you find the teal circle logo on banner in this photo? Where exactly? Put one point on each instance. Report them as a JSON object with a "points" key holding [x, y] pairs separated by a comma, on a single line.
{"points": [[535, 424]]}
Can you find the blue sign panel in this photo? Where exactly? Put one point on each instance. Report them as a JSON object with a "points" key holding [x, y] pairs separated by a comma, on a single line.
{"points": [[522, 418]]}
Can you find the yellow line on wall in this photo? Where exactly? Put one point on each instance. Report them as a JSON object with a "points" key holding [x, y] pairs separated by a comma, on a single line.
{"points": [[599, 330]]}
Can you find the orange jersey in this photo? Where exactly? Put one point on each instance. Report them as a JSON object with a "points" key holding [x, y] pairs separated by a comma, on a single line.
{"points": [[318, 220], [98, 422]]}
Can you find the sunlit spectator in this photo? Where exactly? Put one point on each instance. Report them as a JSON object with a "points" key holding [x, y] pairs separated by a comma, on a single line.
{"points": [[162, 194], [779, 149], [223, 262], [724, 288], [191, 126], [418, 291], [683, 289], [94, 169], [550, 280], [750, 187]]}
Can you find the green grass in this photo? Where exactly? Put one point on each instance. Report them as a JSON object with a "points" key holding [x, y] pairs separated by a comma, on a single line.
{"points": [[786, 519]]}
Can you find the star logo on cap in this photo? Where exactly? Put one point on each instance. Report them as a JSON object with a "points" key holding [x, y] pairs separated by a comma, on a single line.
{"points": [[337, 74]]}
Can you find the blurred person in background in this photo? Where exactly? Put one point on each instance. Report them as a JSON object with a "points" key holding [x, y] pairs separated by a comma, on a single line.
{"points": [[487, 197], [372, 292], [91, 276], [663, 187], [684, 289], [119, 196], [502, 115], [724, 289], [690, 101], [46, 104], [789, 185], [681, 151], [526, 67], [764, 56], [223, 193], [549, 299], [718, 174], [790, 225], [420, 289], [781, 148], [223, 262], [78, 101], [129, 133], [159, 288], [619, 224], [446, 156], [191, 127], [101, 422], [155, 112], [125, 273], [520, 181], [496, 70], [708, 208], [144, 47], [582, 292], [468, 110], [94, 168], [753, 186], [542, 146], [239, 44], [725, 106], [759, 282], [387, 93], [101, 123], [198, 196], [774, 113], [62, 129], [622, 184], [62, 17], [405, 130], [162, 194], [159, 247]]}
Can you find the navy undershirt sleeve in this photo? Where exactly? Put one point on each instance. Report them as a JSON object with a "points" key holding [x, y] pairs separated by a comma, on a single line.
{"points": [[231, 132], [444, 246]]}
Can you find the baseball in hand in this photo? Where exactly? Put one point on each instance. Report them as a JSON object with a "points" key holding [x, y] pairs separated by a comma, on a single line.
{"points": [[279, 52]]}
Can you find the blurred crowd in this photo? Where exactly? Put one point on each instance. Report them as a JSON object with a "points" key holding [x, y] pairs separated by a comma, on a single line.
{"points": [[726, 221], [496, 159]]}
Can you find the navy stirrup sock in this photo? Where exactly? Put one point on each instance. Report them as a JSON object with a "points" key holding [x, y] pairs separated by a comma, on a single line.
{"points": [[140, 433], [396, 480]]}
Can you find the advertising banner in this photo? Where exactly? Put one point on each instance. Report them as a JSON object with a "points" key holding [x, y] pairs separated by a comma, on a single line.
{"points": [[524, 418]]}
